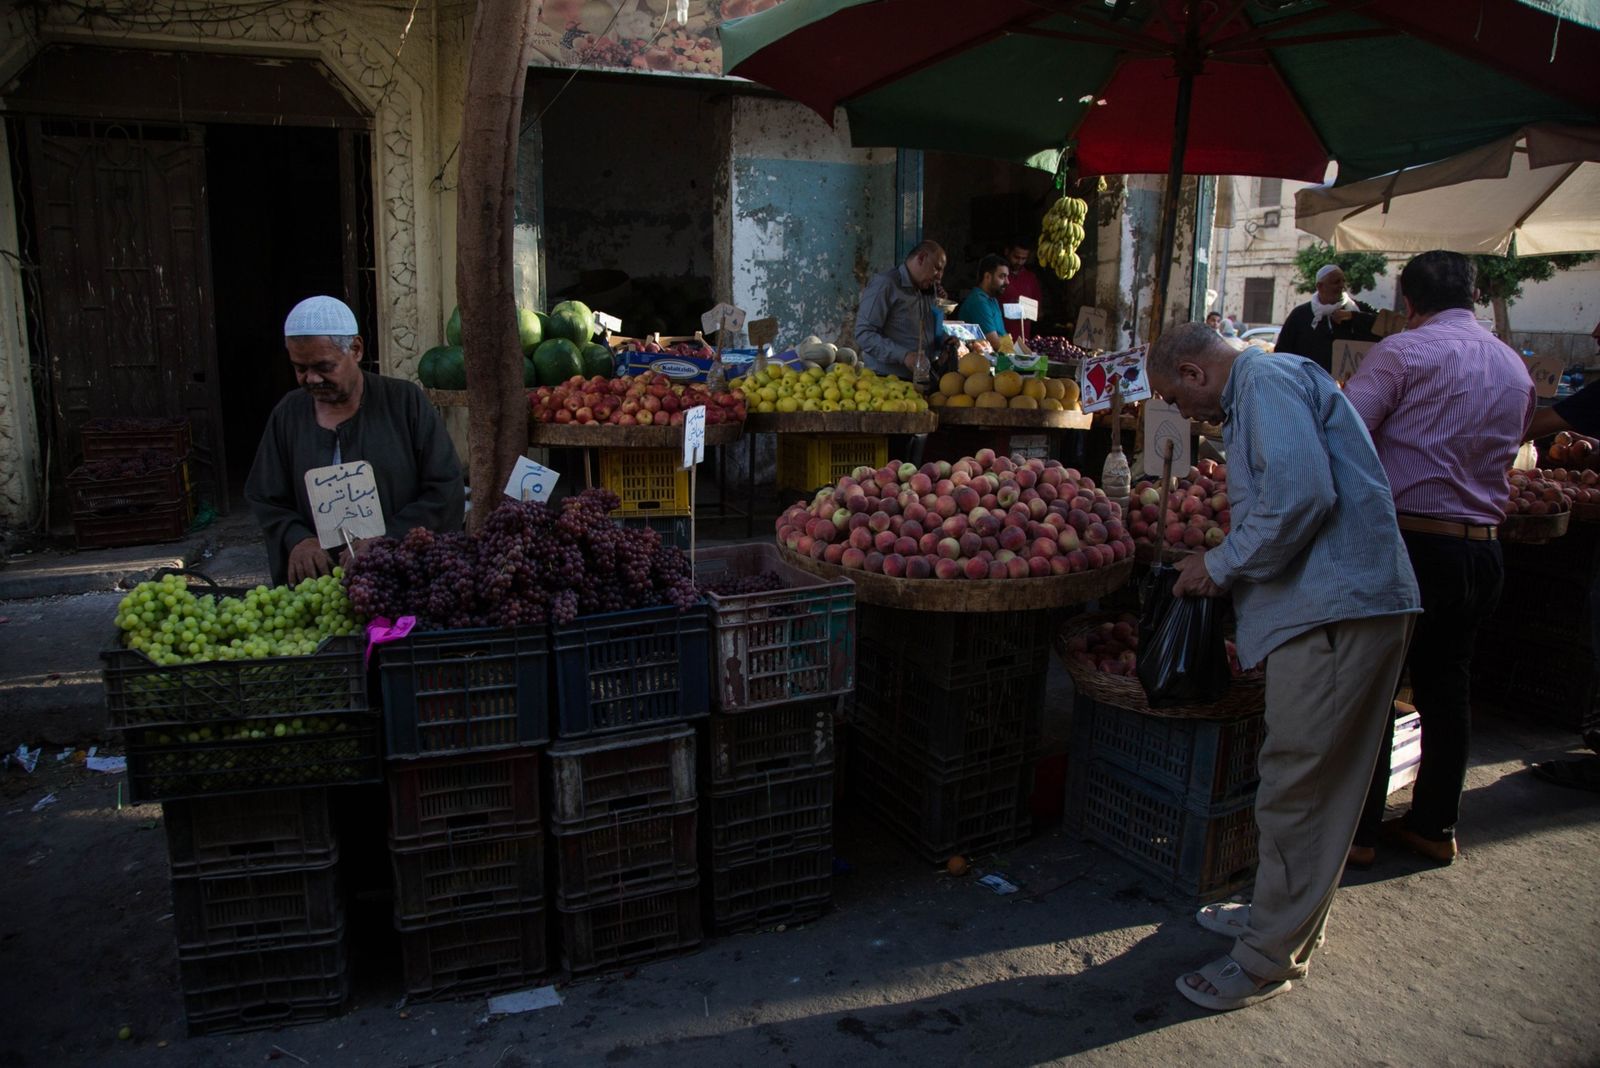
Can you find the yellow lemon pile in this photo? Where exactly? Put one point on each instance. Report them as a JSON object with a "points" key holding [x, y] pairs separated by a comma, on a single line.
{"points": [[840, 388], [973, 385]]}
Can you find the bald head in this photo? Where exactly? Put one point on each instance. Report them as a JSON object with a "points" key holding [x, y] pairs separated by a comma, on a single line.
{"points": [[925, 265], [1188, 367], [1187, 343]]}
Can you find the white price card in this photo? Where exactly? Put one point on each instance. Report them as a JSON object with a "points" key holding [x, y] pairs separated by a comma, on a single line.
{"points": [[763, 331], [1164, 425], [964, 331], [344, 501], [1025, 308], [1093, 331], [610, 323], [1347, 357], [1546, 374], [530, 481], [694, 436], [723, 315]]}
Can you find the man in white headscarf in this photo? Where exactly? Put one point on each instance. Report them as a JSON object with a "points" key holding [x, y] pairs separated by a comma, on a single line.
{"points": [[1330, 315]]}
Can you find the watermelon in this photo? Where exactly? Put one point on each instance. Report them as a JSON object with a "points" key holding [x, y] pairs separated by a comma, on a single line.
{"points": [[530, 331], [428, 366], [572, 320], [452, 329], [557, 360], [530, 375], [544, 325], [450, 370], [598, 360]]}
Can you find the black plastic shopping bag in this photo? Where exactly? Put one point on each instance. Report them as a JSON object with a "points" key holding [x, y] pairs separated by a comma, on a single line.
{"points": [[1182, 658]]}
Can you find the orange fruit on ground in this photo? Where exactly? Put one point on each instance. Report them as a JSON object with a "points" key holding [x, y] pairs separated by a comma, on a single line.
{"points": [[956, 865]]}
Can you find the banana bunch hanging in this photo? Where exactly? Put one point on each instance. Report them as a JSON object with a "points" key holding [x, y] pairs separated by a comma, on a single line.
{"points": [[1062, 234]]}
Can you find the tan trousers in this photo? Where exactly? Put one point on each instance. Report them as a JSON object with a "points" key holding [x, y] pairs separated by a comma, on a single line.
{"points": [[1329, 693]]}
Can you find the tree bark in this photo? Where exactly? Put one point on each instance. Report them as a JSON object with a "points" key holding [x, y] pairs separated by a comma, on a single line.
{"points": [[1502, 318], [497, 67]]}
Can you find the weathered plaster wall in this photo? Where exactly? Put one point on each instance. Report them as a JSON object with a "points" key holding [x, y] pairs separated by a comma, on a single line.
{"points": [[382, 53], [20, 459]]}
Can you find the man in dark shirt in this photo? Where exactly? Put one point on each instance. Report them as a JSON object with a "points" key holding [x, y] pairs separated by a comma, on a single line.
{"points": [[897, 325], [1022, 282], [1330, 315], [339, 415]]}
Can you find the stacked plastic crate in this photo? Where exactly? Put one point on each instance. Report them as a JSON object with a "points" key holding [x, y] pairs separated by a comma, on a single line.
{"points": [[466, 714], [133, 486], [947, 717], [624, 810], [783, 661]]}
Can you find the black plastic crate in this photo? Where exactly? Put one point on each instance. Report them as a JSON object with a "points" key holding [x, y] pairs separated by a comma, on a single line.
{"points": [[989, 716], [250, 990], [1204, 761], [955, 649], [632, 930], [452, 692], [782, 645], [110, 439], [145, 525], [220, 695], [747, 747], [257, 909], [936, 812], [624, 855], [1206, 853], [790, 812], [599, 777], [788, 888], [88, 495], [457, 799], [249, 832], [477, 955], [623, 670], [459, 880], [343, 756]]}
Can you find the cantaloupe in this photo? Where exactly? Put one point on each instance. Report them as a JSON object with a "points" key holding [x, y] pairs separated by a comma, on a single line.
{"points": [[978, 384], [1034, 387], [973, 363], [1025, 402], [960, 400], [1008, 383], [937, 400], [990, 400], [950, 383]]}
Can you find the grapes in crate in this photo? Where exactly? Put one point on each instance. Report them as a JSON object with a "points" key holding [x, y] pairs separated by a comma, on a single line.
{"points": [[735, 586], [170, 624]]}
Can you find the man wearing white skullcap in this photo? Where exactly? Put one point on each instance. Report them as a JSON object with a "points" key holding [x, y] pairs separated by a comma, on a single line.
{"points": [[342, 414], [1330, 315]]}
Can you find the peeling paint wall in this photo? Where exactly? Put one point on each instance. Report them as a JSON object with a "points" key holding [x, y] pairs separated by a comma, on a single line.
{"points": [[1129, 236]]}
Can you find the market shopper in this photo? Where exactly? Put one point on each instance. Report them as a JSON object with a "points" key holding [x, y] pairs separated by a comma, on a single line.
{"points": [[1324, 596], [1023, 283], [1330, 315], [981, 306], [1446, 403], [897, 324], [341, 414]]}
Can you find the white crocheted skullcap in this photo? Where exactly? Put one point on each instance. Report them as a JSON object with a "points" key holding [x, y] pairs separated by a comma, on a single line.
{"points": [[321, 317], [1327, 269]]}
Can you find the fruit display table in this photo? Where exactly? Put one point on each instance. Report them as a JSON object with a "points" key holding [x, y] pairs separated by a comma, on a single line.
{"points": [[842, 422], [608, 436], [981, 595], [1014, 418]]}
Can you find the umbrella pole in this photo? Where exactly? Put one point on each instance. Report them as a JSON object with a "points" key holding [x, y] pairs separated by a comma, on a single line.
{"points": [[1169, 201]]}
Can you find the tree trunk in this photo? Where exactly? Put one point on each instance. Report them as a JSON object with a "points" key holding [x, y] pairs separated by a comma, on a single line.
{"points": [[497, 67], [1502, 318]]}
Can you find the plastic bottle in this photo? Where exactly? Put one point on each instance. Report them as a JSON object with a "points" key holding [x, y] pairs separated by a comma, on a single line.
{"points": [[1527, 458], [1116, 477]]}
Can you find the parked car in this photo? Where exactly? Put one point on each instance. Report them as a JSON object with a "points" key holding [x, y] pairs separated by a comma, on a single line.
{"points": [[1262, 337]]}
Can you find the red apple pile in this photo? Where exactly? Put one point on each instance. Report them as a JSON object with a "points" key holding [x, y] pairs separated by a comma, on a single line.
{"points": [[1551, 491], [649, 399], [982, 517], [1197, 509]]}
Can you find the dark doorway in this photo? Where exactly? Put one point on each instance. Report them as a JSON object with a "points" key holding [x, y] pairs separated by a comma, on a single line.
{"points": [[275, 239]]}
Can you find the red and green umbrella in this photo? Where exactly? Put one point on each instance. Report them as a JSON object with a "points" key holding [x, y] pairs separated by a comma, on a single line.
{"points": [[1257, 87]]}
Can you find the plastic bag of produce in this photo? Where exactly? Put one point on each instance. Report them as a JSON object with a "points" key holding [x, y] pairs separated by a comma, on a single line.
{"points": [[1182, 656]]}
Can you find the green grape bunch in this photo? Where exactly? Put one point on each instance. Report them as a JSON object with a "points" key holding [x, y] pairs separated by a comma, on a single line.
{"points": [[167, 622]]}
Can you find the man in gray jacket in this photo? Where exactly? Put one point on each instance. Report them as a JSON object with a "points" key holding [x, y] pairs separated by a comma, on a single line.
{"points": [[339, 415], [1325, 597], [897, 323]]}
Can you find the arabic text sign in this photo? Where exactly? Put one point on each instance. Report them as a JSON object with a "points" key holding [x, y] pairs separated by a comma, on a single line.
{"points": [[694, 436], [530, 481], [1097, 376], [1546, 374], [720, 316], [344, 500], [1093, 330], [1347, 357]]}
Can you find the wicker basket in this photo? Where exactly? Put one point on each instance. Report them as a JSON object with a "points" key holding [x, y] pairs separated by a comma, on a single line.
{"points": [[1247, 696]]}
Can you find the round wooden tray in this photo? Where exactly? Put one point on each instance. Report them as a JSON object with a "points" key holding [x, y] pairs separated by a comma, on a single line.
{"points": [[982, 595], [1014, 418], [1534, 529], [607, 436], [842, 422], [447, 398]]}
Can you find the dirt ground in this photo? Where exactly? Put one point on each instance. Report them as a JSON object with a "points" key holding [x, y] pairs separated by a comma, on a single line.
{"points": [[1494, 961]]}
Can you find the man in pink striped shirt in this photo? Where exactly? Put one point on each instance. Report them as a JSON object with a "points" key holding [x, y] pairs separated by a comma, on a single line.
{"points": [[1447, 404]]}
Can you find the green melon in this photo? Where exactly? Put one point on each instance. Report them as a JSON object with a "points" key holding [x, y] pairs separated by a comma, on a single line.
{"points": [[530, 374], [572, 320], [450, 372], [598, 360], [428, 366], [557, 360], [452, 329], [530, 331]]}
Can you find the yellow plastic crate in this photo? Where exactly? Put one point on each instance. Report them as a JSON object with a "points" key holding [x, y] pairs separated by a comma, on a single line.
{"points": [[807, 462], [651, 482]]}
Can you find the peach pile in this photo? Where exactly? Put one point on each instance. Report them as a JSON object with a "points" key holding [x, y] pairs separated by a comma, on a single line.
{"points": [[1197, 509], [982, 517], [1574, 449], [1551, 491]]}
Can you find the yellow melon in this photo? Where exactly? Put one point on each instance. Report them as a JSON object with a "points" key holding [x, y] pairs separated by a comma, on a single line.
{"points": [[937, 400], [950, 383], [1069, 394], [1034, 387], [1024, 402], [1055, 388], [982, 382], [973, 363], [1008, 383], [1050, 404], [960, 400], [991, 400]]}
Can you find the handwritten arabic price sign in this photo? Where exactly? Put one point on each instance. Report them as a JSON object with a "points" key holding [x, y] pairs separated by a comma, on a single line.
{"points": [[344, 500], [1093, 330], [1098, 375], [694, 436], [530, 481], [1347, 357], [1546, 374]]}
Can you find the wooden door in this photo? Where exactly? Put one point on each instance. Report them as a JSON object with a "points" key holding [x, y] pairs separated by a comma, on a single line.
{"points": [[129, 320]]}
